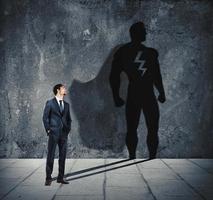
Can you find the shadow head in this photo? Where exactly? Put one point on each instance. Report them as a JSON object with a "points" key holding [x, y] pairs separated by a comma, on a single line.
{"points": [[137, 32]]}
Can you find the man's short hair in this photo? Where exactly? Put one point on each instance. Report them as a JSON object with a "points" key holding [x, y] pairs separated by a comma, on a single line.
{"points": [[57, 87]]}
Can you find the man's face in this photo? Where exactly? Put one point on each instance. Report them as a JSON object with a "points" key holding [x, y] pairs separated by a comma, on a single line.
{"points": [[62, 90]]}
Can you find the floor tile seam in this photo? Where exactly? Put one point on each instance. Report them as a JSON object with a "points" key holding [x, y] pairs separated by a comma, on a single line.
{"points": [[189, 185], [60, 186], [20, 182], [199, 166], [147, 184]]}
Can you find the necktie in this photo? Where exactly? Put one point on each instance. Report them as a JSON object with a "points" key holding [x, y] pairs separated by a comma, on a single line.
{"points": [[61, 107]]}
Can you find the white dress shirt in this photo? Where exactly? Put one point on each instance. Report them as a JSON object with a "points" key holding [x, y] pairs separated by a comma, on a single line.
{"points": [[57, 98]]}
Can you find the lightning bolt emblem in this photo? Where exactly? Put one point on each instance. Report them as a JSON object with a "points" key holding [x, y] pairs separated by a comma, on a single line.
{"points": [[138, 60]]}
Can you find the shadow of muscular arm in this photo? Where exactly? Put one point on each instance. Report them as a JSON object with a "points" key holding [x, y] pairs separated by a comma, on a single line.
{"points": [[158, 83]]}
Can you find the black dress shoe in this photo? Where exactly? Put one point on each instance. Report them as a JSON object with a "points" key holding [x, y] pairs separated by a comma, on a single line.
{"points": [[48, 182], [62, 181]]}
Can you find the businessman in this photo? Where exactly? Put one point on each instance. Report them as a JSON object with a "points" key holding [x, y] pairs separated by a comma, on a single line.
{"points": [[140, 63], [57, 123]]}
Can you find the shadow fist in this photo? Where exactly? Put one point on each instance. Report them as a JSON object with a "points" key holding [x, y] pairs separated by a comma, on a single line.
{"points": [[119, 102], [161, 98]]}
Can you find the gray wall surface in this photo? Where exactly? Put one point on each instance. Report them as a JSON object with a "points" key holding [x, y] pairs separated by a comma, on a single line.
{"points": [[43, 43]]}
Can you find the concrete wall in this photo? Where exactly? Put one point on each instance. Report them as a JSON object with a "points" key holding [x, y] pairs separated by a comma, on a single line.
{"points": [[43, 43]]}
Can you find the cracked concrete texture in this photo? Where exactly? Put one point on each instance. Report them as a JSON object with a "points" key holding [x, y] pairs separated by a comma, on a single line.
{"points": [[46, 42]]}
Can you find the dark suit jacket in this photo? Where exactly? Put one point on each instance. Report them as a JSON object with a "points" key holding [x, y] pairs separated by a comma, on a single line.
{"points": [[54, 120]]}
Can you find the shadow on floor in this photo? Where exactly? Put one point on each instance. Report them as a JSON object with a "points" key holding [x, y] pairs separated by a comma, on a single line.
{"points": [[98, 167]]}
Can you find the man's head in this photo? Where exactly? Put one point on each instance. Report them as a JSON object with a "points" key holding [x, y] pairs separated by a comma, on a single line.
{"points": [[59, 89], [137, 32]]}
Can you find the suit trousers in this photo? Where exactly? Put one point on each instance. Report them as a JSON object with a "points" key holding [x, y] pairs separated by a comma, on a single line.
{"points": [[53, 141]]}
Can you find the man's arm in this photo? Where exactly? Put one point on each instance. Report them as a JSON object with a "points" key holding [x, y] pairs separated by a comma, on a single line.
{"points": [[158, 79], [45, 117], [114, 78], [69, 120]]}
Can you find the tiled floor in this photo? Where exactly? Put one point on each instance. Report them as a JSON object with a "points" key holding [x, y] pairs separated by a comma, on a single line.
{"points": [[109, 179]]}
